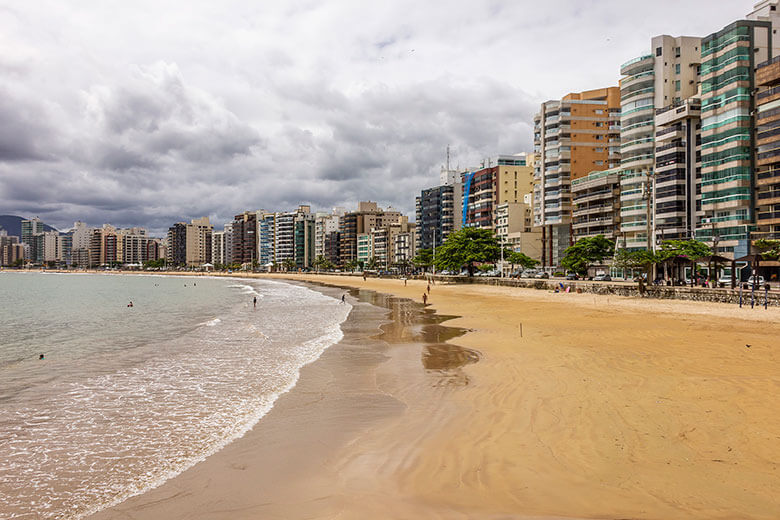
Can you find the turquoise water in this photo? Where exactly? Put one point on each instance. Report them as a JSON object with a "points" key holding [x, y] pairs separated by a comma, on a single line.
{"points": [[128, 397]]}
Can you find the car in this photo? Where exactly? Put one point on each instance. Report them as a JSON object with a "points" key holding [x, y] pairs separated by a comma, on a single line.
{"points": [[572, 276], [725, 279], [542, 274], [759, 280], [602, 278], [528, 273]]}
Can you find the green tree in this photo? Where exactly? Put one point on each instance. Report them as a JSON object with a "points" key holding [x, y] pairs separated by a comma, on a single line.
{"points": [[320, 263], [640, 259], [516, 258], [467, 246], [677, 252], [372, 263], [288, 264], [351, 265], [424, 258], [768, 249], [19, 262], [587, 251]]}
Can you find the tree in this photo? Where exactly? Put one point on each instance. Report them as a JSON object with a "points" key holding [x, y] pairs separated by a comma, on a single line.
{"points": [[288, 264], [587, 251], [679, 251], [372, 263], [351, 265], [768, 249], [641, 259], [320, 263], [521, 259], [467, 246], [424, 258]]}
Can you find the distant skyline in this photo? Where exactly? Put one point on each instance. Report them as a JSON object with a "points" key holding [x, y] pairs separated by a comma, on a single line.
{"points": [[143, 114]]}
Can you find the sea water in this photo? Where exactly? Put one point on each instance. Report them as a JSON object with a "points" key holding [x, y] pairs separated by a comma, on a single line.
{"points": [[127, 397]]}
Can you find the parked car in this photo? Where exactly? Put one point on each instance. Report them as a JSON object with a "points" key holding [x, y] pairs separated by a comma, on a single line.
{"points": [[602, 278], [572, 276], [529, 273], [725, 279], [542, 274], [753, 279]]}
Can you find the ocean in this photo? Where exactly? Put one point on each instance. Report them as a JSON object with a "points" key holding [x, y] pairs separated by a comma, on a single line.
{"points": [[128, 397]]}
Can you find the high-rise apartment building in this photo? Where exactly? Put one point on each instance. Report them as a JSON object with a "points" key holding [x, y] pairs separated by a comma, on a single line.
{"points": [[303, 236], [572, 137], [596, 199], [367, 217], [244, 238], [729, 58], [676, 208], [507, 179], [668, 75], [325, 224], [768, 150], [176, 253], [438, 214], [198, 242]]}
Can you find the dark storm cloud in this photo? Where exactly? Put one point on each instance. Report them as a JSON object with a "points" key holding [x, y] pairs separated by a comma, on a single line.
{"points": [[24, 131], [243, 106]]}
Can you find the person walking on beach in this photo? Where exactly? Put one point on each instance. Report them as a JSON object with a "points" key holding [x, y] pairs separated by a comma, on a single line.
{"points": [[425, 299], [343, 298], [254, 301], [404, 281], [429, 287]]}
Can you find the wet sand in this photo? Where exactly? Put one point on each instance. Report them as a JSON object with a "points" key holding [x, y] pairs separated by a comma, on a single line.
{"points": [[552, 406]]}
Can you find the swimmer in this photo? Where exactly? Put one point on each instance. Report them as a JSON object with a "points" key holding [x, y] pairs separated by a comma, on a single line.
{"points": [[41, 357]]}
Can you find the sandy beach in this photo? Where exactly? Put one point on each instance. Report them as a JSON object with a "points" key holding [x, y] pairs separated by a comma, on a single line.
{"points": [[550, 406]]}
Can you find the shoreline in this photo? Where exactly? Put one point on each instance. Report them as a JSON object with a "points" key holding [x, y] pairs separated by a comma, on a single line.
{"points": [[580, 406], [336, 399]]}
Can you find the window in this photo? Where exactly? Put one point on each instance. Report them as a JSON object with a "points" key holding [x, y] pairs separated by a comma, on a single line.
{"points": [[599, 150], [658, 51], [676, 52], [599, 163], [599, 124], [677, 85], [599, 137], [677, 68], [599, 111]]}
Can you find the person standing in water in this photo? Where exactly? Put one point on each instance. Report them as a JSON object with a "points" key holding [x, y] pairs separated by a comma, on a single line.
{"points": [[254, 302]]}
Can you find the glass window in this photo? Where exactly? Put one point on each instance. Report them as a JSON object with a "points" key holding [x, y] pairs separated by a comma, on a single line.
{"points": [[658, 51], [677, 68], [677, 85]]}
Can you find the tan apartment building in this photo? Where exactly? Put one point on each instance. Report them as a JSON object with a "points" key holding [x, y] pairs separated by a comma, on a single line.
{"points": [[198, 242], [572, 137]]}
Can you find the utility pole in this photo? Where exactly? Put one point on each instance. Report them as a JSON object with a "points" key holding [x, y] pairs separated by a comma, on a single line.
{"points": [[434, 250]]}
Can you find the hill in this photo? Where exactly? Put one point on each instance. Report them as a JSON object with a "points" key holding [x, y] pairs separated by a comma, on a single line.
{"points": [[13, 225]]}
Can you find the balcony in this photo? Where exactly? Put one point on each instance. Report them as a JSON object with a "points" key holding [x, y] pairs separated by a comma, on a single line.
{"points": [[637, 65]]}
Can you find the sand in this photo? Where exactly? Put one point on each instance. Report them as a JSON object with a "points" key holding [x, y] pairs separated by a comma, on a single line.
{"points": [[579, 406]]}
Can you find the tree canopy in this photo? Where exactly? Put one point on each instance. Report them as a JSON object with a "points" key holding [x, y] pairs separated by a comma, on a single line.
{"points": [[467, 246], [587, 251], [521, 259], [640, 259], [690, 249], [768, 249], [424, 258]]}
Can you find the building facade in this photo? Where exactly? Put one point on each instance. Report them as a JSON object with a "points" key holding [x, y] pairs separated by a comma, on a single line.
{"points": [[572, 137], [768, 151], [676, 208], [729, 58], [597, 205], [666, 76]]}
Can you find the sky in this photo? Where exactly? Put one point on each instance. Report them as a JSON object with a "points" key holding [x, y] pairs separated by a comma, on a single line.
{"points": [[149, 113]]}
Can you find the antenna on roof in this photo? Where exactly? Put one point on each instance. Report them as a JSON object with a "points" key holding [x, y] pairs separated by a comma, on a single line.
{"points": [[448, 157]]}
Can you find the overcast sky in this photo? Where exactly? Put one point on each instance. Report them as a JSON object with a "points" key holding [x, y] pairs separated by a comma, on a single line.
{"points": [[148, 113]]}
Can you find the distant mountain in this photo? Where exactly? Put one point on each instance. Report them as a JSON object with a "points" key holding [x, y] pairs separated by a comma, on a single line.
{"points": [[13, 225]]}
